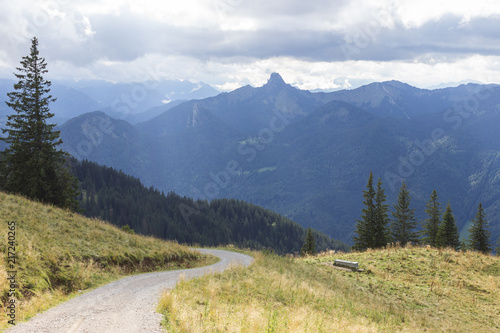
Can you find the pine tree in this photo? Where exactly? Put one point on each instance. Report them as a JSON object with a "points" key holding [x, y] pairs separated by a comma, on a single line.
{"points": [[431, 225], [479, 235], [309, 246], [364, 226], [448, 232], [380, 231], [32, 165], [404, 221]]}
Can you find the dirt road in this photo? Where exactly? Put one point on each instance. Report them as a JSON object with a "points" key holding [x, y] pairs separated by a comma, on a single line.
{"points": [[126, 305]]}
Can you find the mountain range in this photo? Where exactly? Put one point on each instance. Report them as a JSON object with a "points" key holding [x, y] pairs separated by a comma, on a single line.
{"points": [[134, 102], [308, 155]]}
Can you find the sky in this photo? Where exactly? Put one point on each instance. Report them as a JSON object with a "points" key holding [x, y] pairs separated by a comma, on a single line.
{"points": [[315, 44]]}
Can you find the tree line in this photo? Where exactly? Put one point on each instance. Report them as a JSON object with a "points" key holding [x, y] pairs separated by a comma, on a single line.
{"points": [[122, 200], [375, 229]]}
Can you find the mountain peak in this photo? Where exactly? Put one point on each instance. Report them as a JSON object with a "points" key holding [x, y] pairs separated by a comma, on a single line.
{"points": [[275, 81]]}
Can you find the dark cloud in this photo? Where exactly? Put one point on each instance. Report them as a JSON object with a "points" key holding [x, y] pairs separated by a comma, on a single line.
{"points": [[448, 37], [311, 31], [126, 37]]}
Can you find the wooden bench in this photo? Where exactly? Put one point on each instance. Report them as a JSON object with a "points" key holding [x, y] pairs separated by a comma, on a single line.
{"points": [[344, 263]]}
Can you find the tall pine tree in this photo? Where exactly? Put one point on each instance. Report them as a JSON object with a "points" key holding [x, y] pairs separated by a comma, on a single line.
{"points": [[448, 232], [479, 235], [431, 224], [364, 226], [404, 222], [32, 165], [381, 234]]}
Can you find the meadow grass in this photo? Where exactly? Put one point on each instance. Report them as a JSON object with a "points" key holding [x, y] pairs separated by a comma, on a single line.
{"points": [[60, 253], [409, 289]]}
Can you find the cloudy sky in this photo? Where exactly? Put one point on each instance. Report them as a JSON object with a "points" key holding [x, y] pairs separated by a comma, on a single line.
{"points": [[316, 44]]}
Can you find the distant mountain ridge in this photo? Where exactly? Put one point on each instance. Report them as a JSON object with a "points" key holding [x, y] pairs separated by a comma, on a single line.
{"points": [[308, 155], [134, 102]]}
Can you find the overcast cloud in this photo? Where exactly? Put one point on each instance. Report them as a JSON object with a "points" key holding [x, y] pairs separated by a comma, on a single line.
{"points": [[228, 43]]}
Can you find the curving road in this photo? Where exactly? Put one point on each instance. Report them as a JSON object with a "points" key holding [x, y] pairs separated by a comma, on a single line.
{"points": [[126, 305]]}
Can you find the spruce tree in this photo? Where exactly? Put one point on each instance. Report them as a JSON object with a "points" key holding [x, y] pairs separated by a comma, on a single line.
{"points": [[404, 222], [479, 235], [448, 232], [431, 225], [32, 165], [309, 246], [364, 226], [380, 231]]}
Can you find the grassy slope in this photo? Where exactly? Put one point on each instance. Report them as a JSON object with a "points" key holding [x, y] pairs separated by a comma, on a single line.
{"points": [[59, 253], [402, 290]]}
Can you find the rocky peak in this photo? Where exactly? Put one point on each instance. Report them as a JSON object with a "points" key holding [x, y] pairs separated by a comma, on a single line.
{"points": [[275, 81]]}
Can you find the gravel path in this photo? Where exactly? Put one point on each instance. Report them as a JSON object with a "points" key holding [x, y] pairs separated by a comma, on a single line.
{"points": [[126, 305]]}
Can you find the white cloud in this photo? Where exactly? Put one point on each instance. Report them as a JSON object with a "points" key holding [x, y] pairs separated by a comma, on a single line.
{"points": [[417, 13], [87, 30], [229, 43]]}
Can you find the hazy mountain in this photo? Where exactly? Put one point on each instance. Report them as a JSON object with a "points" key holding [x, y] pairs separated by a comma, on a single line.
{"points": [[133, 102], [397, 99], [453, 84], [316, 169], [249, 109], [69, 104], [124, 99], [151, 113], [308, 155], [97, 137]]}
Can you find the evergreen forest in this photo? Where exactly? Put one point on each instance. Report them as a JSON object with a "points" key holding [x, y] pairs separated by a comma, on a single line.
{"points": [[122, 200]]}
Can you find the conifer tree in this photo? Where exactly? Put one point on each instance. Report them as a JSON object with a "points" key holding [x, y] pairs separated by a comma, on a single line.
{"points": [[448, 232], [479, 235], [381, 234], [364, 226], [431, 225], [32, 165], [404, 222], [309, 246]]}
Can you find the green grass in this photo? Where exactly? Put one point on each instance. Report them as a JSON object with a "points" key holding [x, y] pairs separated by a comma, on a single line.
{"points": [[60, 253], [408, 289]]}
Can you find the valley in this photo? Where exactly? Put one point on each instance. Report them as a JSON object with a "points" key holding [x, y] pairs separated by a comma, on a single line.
{"points": [[308, 155]]}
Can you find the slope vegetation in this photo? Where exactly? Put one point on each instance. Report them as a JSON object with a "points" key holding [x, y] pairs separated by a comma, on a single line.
{"points": [[401, 290], [59, 253], [122, 200]]}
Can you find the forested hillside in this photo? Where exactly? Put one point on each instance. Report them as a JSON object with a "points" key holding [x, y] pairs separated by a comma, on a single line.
{"points": [[122, 200]]}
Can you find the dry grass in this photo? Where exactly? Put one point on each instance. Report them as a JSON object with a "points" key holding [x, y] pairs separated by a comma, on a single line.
{"points": [[59, 253], [402, 290], [459, 291]]}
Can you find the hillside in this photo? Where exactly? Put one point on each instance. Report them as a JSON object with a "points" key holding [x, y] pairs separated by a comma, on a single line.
{"points": [[59, 253], [122, 200], [401, 290]]}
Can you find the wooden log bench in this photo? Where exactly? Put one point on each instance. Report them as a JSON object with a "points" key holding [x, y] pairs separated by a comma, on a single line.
{"points": [[347, 264]]}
